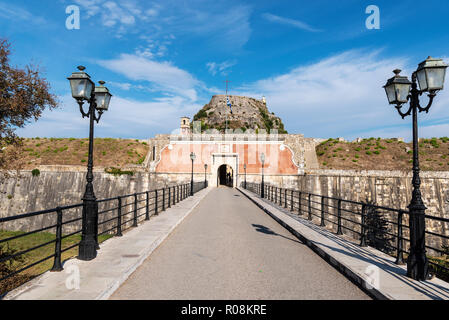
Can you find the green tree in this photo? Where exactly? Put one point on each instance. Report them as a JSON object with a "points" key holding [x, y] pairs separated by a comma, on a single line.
{"points": [[24, 95]]}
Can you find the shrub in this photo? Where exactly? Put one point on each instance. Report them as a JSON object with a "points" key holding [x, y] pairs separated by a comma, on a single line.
{"points": [[35, 172], [118, 171], [377, 152], [369, 153]]}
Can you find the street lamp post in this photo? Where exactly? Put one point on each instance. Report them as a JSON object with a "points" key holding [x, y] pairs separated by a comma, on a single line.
{"points": [[430, 76], [244, 168], [205, 175], [98, 99], [262, 191], [192, 157]]}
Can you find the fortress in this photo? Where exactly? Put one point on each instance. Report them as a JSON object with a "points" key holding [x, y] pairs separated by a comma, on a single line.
{"points": [[286, 155]]}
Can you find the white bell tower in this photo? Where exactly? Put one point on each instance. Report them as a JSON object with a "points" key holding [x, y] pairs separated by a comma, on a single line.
{"points": [[185, 126]]}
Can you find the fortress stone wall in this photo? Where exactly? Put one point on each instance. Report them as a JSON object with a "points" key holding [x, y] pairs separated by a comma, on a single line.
{"points": [[64, 185]]}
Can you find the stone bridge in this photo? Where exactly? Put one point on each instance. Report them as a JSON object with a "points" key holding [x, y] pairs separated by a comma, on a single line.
{"points": [[226, 242]]}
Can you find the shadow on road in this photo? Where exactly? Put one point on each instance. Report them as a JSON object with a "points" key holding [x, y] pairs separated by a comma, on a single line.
{"points": [[266, 230]]}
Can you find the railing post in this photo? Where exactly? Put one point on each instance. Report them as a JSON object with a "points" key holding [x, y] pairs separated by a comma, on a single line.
{"points": [[275, 195], [291, 202], [310, 208], [174, 195], [363, 233], [323, 224], [147, 215], [285, 198], [339, 230], [135, 210], [400, 243], [119, 218], [163, 199], [57, 265], [299, 203], [169, 198], [177, 194], [155, 202]]}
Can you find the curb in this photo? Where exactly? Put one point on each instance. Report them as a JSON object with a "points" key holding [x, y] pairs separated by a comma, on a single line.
{"points": [[116, 284]]}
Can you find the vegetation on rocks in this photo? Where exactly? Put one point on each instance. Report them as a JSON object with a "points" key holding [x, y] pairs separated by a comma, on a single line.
{"points": [[70, 151], [247, 113], [383, 154]]}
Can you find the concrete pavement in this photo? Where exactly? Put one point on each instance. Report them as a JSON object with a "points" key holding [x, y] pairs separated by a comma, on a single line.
{"points": [[228, 248]]}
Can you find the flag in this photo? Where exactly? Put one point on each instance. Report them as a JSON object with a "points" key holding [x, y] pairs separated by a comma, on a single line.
{"points": [[229, 104]]}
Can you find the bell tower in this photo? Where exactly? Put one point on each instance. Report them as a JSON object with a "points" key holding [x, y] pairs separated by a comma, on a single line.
{"points": [[185, 126]]}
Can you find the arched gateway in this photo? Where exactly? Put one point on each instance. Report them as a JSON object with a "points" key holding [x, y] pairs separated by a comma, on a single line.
{"points": [[225, 176]]}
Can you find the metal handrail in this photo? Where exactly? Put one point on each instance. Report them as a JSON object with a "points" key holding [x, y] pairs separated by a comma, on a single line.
{"points": [[156, 201], [301, 203]]}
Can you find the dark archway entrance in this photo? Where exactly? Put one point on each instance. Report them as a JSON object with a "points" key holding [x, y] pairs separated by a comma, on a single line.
{"points": [[225, 176]]}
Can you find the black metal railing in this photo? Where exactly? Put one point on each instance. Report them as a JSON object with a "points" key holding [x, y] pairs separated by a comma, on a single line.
{"points": [[115, 215], [384, 228]]}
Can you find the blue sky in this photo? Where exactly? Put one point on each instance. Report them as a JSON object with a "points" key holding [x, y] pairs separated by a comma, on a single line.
{"points": [[320, 68]]}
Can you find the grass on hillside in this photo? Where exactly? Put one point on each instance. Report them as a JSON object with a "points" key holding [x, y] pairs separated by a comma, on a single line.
{"points": [[108, 152], [28, 258], [383, 154]]}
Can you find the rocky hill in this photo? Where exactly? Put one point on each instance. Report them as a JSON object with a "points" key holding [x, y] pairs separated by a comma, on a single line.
{"points": [[248, 113]]}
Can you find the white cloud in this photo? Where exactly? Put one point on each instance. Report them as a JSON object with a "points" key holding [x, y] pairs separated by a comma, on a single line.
{"points": [[121, 14], [338, 96], [126, 118], [12, 12], [343, 96], [290, 22], [163, 76], [222, 68], [228, 26]]}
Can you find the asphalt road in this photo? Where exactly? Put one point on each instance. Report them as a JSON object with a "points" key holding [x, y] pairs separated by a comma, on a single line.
{"points": [[228, 248]]}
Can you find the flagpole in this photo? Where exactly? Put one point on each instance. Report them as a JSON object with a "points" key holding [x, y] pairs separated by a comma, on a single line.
{"points": [[226, 121]]}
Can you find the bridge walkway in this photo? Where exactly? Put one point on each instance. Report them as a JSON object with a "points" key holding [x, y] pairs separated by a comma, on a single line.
{"points": [[228, 248]]}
